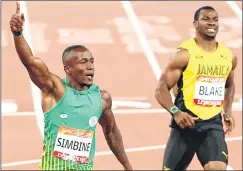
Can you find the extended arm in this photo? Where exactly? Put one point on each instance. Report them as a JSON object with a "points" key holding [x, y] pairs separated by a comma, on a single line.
{"points": [[37, 69], [111, 132]]}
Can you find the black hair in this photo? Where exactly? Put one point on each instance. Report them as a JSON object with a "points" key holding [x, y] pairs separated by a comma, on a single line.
{"points": [[69, 49], [197, 13]]}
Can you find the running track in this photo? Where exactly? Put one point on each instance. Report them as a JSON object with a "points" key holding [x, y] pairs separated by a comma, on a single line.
{"points": [[122, 67]]}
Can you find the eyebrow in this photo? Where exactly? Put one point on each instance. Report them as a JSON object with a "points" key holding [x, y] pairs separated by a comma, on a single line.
{"points": [[84, 58], [209, 17]]}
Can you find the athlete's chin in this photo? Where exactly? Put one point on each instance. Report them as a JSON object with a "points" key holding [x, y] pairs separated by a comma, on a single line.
{"points": [[88, 83], [210, 36]]}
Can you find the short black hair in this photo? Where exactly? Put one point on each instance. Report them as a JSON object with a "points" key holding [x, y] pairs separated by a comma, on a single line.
{"points": [[197, 13], [69, 49]]}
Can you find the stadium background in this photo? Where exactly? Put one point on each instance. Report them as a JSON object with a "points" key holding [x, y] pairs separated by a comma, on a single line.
{"points": [[131, 42]]}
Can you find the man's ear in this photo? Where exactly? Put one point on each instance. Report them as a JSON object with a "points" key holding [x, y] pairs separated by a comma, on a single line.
{"points": [[195, 24], [67, 69]]}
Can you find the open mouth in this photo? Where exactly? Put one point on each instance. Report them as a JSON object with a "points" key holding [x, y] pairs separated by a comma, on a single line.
{"points": [[90, 76]]}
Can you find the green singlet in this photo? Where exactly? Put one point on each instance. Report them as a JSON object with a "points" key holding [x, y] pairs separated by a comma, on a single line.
{"points": [[69, 133]]}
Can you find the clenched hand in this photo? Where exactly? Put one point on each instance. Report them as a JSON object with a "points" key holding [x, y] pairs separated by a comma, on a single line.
{"points": [[17, 20]]}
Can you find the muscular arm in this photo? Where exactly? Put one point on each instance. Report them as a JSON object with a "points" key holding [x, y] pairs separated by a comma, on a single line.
{"points": [[170, 77], [37, 69], [112, 133], [230, 89]]}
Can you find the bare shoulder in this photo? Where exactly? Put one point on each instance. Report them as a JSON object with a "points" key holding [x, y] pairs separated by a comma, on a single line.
{"points": [[106, 99], [58, 86], [181, 56], [107, 119], [179, 59], [51, 98]]}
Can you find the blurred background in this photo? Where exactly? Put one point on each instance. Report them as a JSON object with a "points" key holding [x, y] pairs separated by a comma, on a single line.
{"points": [[131, 43]]}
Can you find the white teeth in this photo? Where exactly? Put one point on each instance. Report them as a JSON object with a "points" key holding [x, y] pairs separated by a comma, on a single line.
{"points": [[211, 30], [89, 76]]}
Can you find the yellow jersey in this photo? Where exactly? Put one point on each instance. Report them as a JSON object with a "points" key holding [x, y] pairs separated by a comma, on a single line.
{"points": [[201, 86]]}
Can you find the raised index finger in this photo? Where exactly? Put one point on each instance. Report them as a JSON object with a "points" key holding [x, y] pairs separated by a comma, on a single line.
{"points": [[18, 8]]}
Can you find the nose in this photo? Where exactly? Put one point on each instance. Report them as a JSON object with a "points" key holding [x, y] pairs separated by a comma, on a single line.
{"points": [[211, 22], [90, 66]]}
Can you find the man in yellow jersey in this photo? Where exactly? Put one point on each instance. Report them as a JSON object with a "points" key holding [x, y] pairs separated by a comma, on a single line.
{"points": [[203, 71], [73, 106]]}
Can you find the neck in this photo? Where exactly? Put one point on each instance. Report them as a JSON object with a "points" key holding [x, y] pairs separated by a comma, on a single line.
{"points": [[206, 44], [75, 85]]}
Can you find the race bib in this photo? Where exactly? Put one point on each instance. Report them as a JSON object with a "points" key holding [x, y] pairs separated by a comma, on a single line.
{"points": [[209, 91], [73, 145]]}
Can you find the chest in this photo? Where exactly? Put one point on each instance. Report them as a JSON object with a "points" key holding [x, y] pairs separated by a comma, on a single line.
{"points": [[78, 111], [210, 65]]}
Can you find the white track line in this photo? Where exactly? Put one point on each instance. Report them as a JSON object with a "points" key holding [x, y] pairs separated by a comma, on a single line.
{"points": [[36, 95], [150, 111], [138, 98], [105, 153], [126, 103], [235, 8], [229, 168], [154, 64], [237, 107], [118, 112], [142, 38]]}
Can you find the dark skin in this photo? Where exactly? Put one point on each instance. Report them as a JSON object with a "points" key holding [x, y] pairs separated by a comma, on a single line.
{"points": [[206, 30], [79, 68]]}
